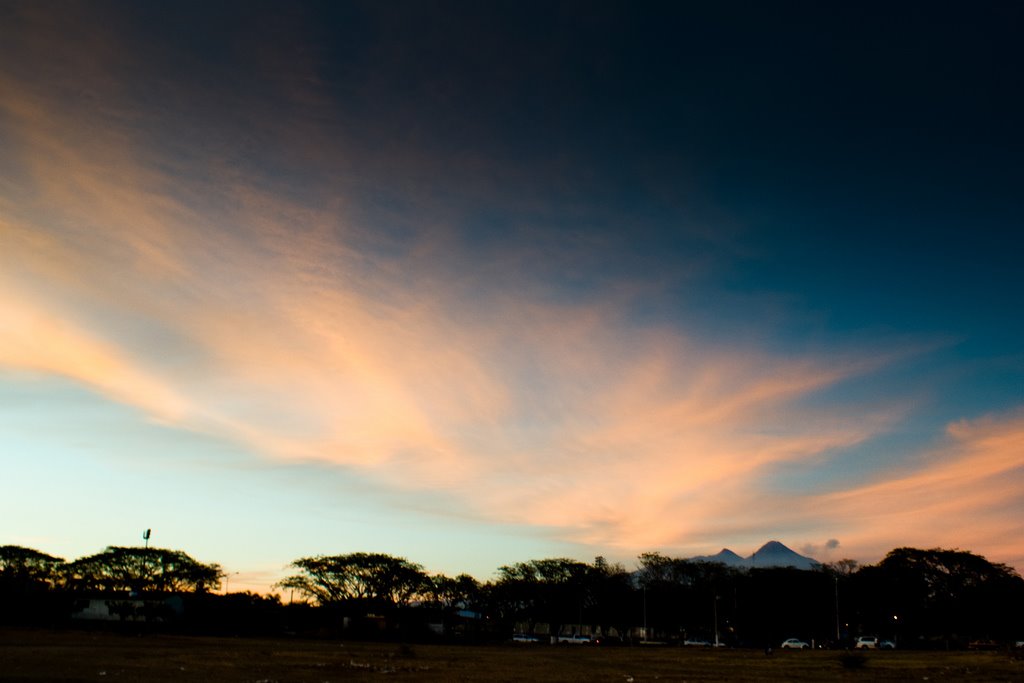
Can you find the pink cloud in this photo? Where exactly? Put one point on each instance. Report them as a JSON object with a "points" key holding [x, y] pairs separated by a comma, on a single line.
{"points": [[963, 493]]}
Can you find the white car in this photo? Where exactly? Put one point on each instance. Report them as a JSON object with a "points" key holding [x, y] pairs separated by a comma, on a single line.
{"points": [[794, 644], [866, 643]]}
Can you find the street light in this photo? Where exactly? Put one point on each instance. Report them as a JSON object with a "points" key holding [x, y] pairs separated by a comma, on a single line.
{"points": [[716, 620], [644, 636], [836, 577], [227, 582]]}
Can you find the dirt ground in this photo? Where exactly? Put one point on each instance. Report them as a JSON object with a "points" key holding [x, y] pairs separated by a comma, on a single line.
{"points": [[39, 655]]}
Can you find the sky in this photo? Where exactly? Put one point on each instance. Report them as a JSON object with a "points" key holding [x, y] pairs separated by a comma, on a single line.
{"points": [[478, 283]]}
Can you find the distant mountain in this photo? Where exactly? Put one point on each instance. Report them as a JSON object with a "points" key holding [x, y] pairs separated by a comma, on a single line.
{"points": [[775, 554], [724, 556], [771, 554]]}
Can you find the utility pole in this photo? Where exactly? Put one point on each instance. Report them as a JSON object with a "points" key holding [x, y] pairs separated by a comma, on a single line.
{"points": [[836, 577], [716, 618], [645, 613]]}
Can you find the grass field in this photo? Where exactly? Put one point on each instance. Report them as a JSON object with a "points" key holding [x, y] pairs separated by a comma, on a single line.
{"points": [[36, 655]]}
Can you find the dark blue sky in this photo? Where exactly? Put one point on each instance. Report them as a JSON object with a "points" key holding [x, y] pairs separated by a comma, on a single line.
{"points": [[864, 159]]}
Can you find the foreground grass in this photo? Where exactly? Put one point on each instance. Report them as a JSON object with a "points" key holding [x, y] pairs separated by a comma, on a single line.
{"points": [[30, 655]]}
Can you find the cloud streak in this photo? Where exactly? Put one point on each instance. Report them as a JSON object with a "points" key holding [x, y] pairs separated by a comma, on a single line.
{"points": [[967, 487], [295, 328], [268, 289]]}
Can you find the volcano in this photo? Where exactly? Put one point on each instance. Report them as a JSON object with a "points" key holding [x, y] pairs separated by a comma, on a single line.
{"points": [[771, 554]]}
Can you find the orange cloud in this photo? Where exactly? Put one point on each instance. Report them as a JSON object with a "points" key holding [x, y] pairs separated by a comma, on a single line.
{"points": [[37, 339], [965, 493]]}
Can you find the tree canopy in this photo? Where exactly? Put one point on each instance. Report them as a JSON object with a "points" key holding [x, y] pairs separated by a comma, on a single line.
{"points": [[563, 593], [20, 564], [460, 592], [941, 593], [368, 577], [920, 598], [142, 570]]}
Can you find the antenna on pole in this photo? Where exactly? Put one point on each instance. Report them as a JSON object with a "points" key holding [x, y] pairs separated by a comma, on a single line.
{"points": [[145, 536]]}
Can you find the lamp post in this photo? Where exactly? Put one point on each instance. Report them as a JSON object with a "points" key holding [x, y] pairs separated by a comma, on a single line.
{"points": [[644, 637], [716, 619], [836, 577], [227, 582]]}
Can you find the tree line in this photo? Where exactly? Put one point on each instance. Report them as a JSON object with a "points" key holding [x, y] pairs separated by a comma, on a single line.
{"points": [[914, 597]]}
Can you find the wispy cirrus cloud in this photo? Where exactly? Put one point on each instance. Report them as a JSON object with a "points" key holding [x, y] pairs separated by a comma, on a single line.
{"points": [[305, 315], [237, 309], [967, 486]]}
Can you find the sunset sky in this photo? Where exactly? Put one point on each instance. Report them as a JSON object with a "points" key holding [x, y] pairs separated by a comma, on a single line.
{"points": [[474, 283]]}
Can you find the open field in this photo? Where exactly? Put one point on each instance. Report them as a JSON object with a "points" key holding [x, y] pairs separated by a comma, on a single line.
{"points": [[38, 655]]}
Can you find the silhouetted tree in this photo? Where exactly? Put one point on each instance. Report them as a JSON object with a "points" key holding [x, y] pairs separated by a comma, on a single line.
{"points": [[565, 594], [661, 580], [462, 592], [555, 591], [923, 598], [142, 570], [843, 567], [29, 586], [945, 597], [26, 566], [682, 598], [368, 577], [613, 595]]}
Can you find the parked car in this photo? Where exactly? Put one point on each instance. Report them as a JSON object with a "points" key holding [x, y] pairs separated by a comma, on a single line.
{"points": [[574, 639], [886, 645], [524, 638], [866, 643], [794, 644], [697, 642]]}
